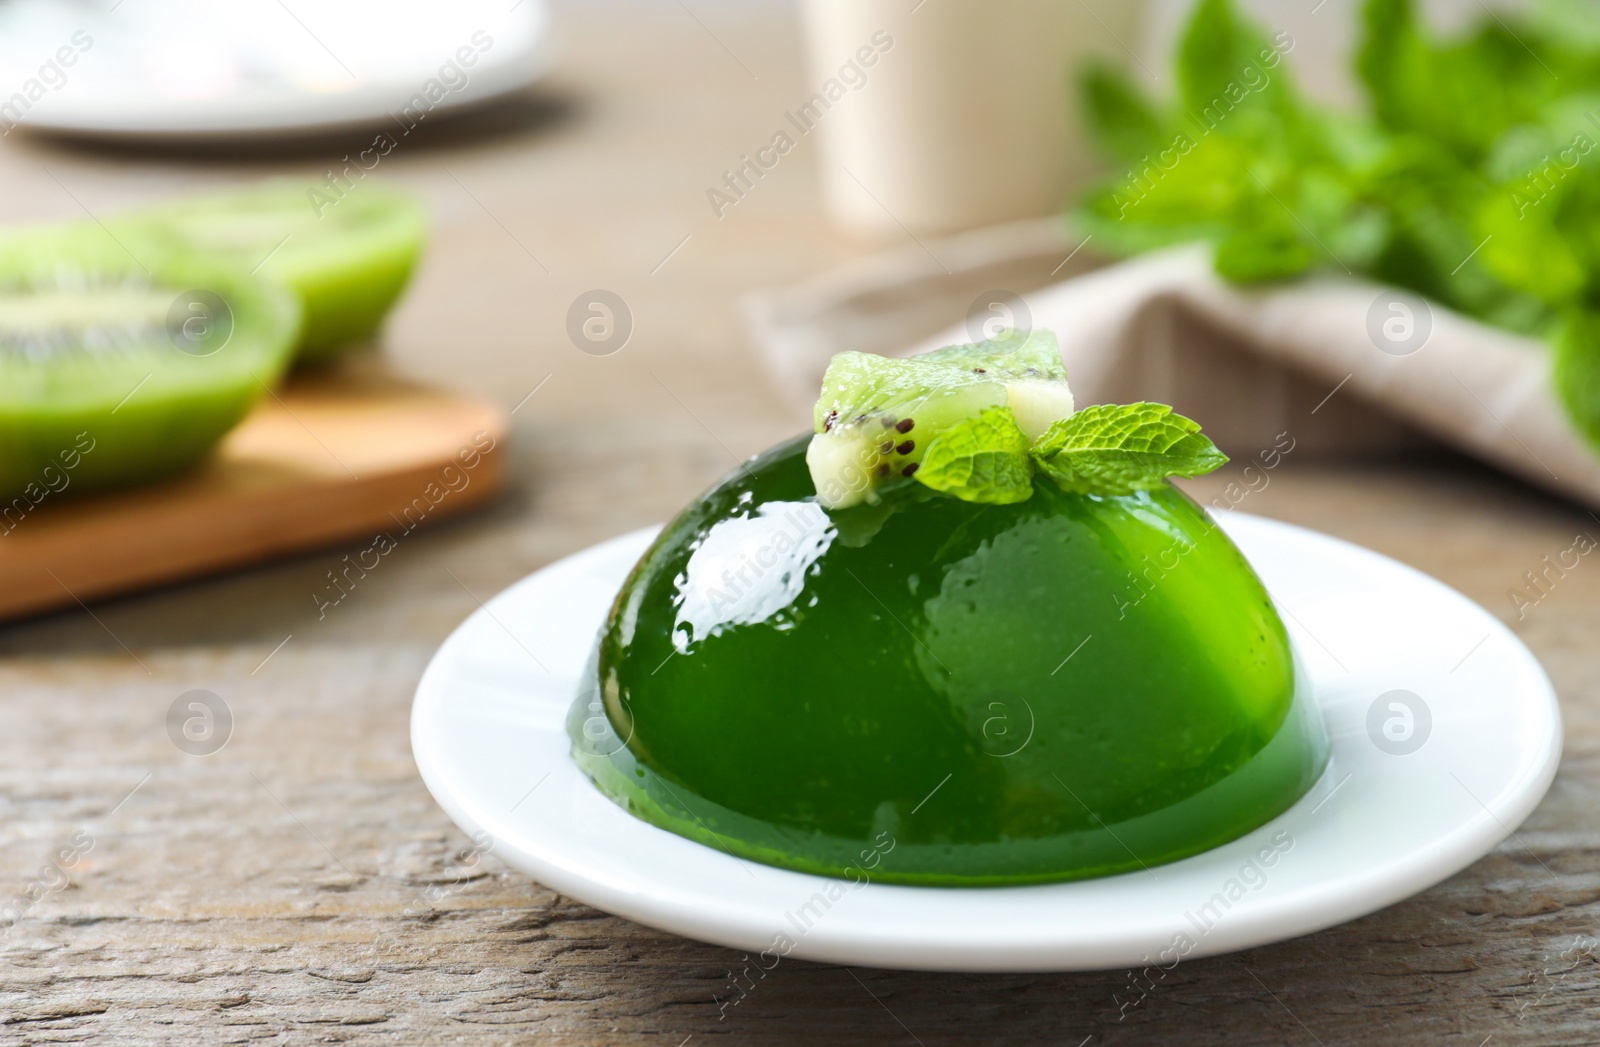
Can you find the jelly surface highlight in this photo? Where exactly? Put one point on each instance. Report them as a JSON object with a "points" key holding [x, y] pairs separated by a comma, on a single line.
{"points": [[930, 691]]}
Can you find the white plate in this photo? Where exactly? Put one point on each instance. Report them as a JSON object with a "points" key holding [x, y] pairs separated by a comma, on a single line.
{"points": [[167, 68], [487, 732]]}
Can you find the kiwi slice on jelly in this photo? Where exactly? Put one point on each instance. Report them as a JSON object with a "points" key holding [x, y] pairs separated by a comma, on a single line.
{"points": [[877, 417], [115, 369], [348, 257]]}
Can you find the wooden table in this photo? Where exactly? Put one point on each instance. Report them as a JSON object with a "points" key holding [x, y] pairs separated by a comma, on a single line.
{"points": [[261, 893]]}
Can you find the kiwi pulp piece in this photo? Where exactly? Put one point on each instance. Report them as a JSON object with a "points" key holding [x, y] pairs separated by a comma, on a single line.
{"points": [[877, 416], [347, 258], [116, 370]]}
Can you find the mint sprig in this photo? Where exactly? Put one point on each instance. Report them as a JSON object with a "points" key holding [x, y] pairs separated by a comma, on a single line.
{"points": [[1112, 449], [1107, 449], [982, 459], [1469, 174]]}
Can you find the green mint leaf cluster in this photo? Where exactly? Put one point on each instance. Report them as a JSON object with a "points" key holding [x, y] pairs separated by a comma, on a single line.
{"points": [[1472, 178], [1107, 449]]}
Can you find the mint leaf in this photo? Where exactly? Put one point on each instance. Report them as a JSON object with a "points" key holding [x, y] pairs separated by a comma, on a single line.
{"points": [[1256, 255], [1121, 119], [1216, 48], [1114, 449], [1524, 248], [1459, 94], [981, 459], [1577, 372], [1391, 60]]}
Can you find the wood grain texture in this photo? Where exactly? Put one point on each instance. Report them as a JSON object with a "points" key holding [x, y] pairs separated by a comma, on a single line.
{"points": [[338, 455], [260, 894]]}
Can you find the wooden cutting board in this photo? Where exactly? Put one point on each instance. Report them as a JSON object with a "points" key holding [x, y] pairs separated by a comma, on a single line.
{"points": [[351, 455]]}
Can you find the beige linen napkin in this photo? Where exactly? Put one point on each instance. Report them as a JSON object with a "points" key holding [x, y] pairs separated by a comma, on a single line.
{"points": [[1333, 364]]}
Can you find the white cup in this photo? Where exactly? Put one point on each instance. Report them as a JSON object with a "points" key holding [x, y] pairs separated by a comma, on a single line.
{"points": [[967, 114]]}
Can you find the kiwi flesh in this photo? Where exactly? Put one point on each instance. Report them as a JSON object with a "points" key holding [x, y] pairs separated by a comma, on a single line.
{"points": [[876, 416], [117, 369], [347, 258]]}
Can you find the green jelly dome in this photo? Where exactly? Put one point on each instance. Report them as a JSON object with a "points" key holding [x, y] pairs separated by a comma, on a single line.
{"points": [[933, 691]]}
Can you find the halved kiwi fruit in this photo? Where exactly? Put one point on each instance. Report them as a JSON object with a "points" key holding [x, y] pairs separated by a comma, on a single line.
{"points": [[117, 369], [348, 256]]}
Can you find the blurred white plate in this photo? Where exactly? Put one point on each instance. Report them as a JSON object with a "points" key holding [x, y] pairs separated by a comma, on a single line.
{"points": [[167, 68], [1484, 736]]}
